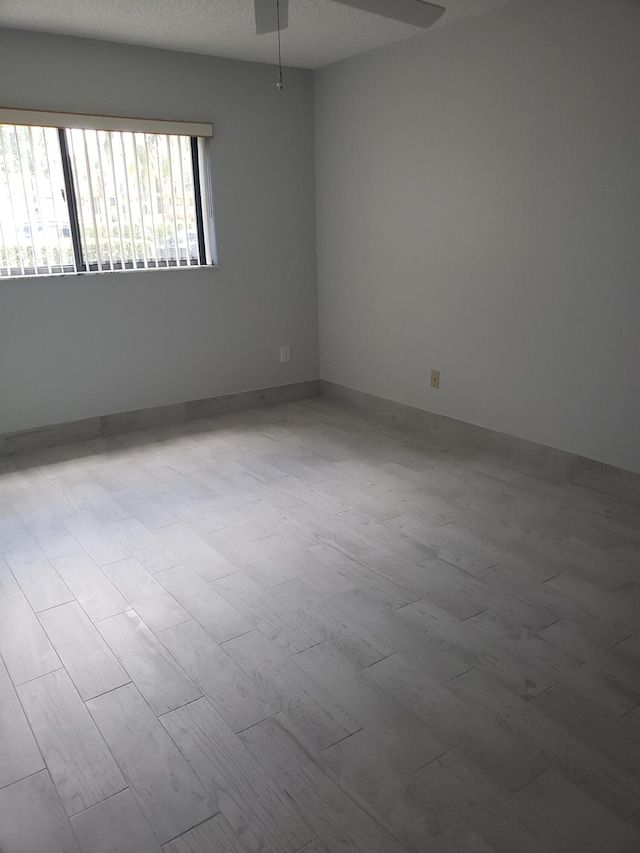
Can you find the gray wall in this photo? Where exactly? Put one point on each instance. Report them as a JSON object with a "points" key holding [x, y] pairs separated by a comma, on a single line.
{"points": [[78, 346], [478, 212]]}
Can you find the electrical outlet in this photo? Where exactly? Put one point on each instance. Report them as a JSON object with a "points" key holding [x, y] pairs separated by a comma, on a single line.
{"points": [[285, 355], [435, 378]]}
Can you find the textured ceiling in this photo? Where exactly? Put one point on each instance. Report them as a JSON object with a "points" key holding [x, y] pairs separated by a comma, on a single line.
{"points": [[320, 31]]}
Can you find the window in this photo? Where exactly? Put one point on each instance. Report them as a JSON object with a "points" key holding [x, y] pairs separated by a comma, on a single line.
{"points": [[93, 193]]}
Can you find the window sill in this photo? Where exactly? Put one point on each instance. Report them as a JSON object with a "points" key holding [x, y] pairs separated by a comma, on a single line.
{"points": [[83, 273]]}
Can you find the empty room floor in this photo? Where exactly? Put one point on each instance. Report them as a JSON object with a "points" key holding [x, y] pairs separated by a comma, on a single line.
{"points": [[299, 628]]}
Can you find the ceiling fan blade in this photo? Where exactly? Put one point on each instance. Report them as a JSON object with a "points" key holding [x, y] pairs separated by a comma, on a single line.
{"points": [[267, 16], [416, 12]]}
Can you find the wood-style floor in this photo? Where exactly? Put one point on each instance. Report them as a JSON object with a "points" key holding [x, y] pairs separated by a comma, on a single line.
{"points": [[297, 629]]}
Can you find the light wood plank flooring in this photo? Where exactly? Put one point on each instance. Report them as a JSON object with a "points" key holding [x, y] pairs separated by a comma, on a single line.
{"points": [[298, 629]]}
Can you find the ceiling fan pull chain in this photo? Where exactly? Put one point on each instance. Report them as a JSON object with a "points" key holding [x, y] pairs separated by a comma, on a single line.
{"points": [[280, 83]]}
